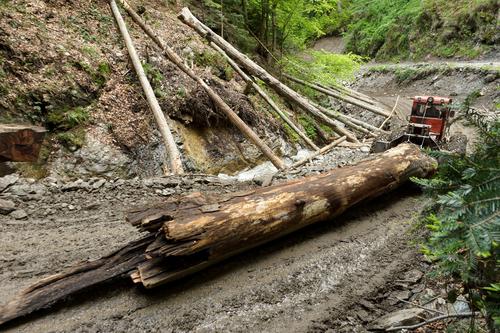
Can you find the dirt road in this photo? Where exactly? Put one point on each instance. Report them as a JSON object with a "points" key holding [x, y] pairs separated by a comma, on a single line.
{"points": [[290, 285]]}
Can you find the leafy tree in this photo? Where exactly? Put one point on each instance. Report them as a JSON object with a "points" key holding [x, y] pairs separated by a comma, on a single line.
{"points": [[464, 236]]}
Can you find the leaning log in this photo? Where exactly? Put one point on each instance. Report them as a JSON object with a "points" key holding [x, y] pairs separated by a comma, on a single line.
{"points": [[20, 143], [170, 54], [254, 69], [265, 97], [189, 233], [161, 120], [342, 97]]}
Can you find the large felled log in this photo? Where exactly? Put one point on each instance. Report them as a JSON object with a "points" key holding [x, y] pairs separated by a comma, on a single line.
{"points": [[168, 139], [189, 233], [251, 67], [20, 143], [213, 228], [218, 101]]}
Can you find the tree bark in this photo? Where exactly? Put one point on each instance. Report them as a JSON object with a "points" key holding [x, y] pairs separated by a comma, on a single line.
{"points": [[231, 115], [168, 139], [263, 94], [342, 97], [20, 143], [251, 67]]}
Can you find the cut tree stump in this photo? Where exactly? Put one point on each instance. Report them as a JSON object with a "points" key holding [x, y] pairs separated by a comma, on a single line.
{"points": [[20, 143], [189, 233]]}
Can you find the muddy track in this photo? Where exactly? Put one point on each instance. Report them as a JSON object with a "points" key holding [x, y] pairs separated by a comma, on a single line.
{"points": [[293, 284]]}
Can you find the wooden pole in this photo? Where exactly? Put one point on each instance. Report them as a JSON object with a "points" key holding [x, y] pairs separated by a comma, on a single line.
{"points": [[322, 151], [340, 96], [168, 138], [263, 94], [251, 67], [231, 115], [392, 113]]}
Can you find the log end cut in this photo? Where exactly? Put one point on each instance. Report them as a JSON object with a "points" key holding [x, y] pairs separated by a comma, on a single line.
{"points": [[20, 143]]}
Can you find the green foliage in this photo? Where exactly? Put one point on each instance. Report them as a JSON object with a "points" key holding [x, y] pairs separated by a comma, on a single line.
{"points": [[464, 229], [72, 140], [323, 67], [66, 119], [308, 125], [397, 29], [217, 64], [280, 25]]}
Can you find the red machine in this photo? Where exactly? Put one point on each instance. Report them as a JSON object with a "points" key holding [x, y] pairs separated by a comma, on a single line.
{"points": [[428, 125]]}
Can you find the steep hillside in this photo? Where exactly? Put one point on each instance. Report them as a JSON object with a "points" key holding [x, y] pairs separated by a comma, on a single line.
{"points": [[64, 66], [414, 29]]}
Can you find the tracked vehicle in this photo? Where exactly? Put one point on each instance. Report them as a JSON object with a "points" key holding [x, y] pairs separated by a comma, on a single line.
{"points": [[428, 124]]}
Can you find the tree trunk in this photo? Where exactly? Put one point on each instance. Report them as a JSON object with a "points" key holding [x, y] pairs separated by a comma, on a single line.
{"points": [[189, 233], [209, 229], [251, 67], [342, 97], [168, 139], [231, 115], [20, 143]]}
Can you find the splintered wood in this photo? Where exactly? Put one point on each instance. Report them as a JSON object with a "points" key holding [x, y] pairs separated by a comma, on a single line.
{"points": [[188, 233]]}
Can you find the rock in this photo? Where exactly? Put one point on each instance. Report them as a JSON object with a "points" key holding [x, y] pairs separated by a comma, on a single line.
{"points": [[403, 317], [19, 214], [413, 276], [8, 180], [461, 305], [98, 184], [364, 149], [76, 185], [6, 206], [399, 295]]}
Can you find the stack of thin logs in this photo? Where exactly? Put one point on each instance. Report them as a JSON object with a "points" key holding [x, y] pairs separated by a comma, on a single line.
{"points": [[190, 232], [238, 60]]}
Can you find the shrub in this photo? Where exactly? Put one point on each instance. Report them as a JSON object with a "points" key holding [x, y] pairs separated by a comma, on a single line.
{"points": [[464, 238]]}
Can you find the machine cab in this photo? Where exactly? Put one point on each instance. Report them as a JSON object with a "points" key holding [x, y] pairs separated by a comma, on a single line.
{"points": [[429, 115]]}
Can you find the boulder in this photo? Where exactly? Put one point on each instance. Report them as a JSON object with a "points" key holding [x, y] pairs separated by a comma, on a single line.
{"points": [[6, 206], [8, 180], [19, 214], [403, 317]]}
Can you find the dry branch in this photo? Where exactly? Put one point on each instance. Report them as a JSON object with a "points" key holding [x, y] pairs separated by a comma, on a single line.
{"points": [[231, 115], [251, 67], [168, 139], [322, 151], [20, 143]]}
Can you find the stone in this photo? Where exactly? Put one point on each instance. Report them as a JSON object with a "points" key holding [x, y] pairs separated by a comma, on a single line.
{"points": [[19, 214], [396, 296], [364, 149], [6, 206], [403, 317], [98, 184], [413, 276], [8, 180]]}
